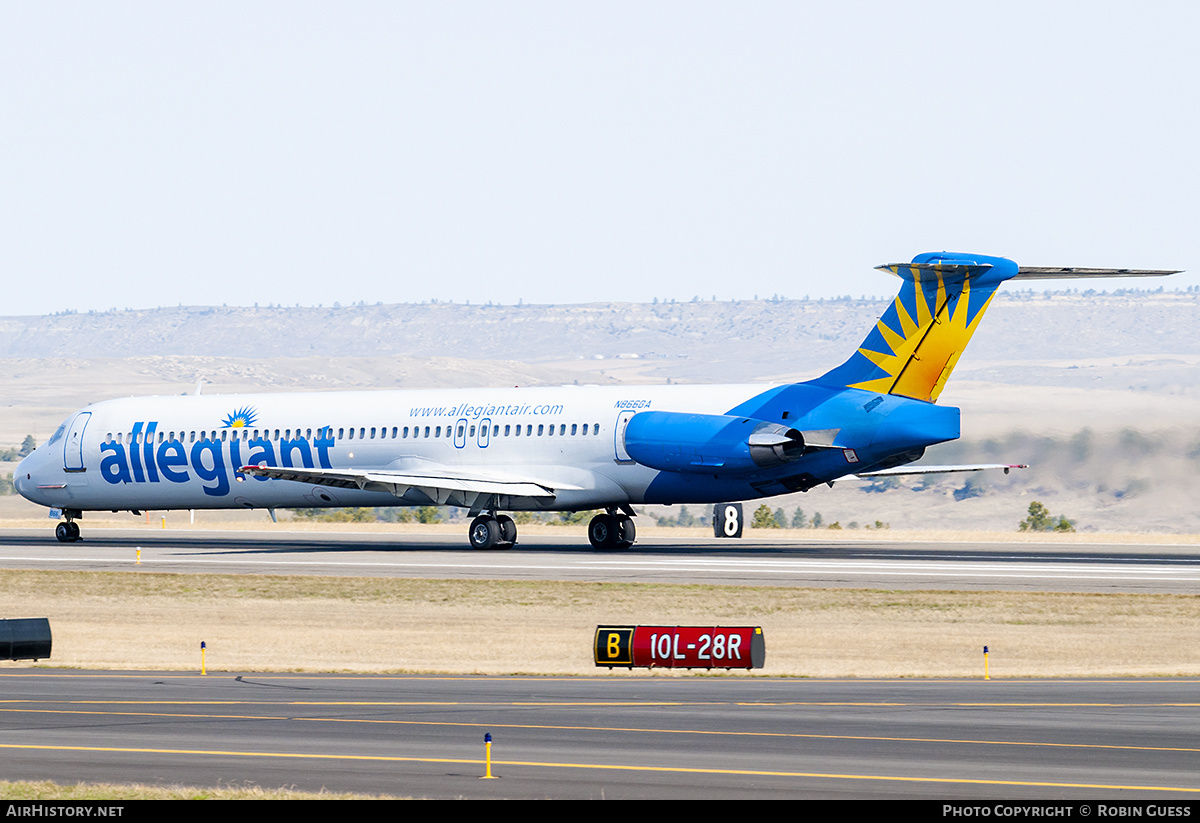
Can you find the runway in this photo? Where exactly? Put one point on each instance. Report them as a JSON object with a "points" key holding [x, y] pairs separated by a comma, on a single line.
{"points": [[735, 737], [627, 738], [1137, 568]]}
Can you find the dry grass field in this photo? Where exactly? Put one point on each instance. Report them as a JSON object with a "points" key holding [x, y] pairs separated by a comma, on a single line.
{"points": [[140, 620], [47, 790]]}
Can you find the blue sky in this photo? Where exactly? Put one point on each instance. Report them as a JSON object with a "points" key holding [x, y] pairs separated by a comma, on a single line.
{"points": [[158, 153]]}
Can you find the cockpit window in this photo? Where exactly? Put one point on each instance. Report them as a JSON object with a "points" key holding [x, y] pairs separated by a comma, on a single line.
{"points": [[57, 435]]}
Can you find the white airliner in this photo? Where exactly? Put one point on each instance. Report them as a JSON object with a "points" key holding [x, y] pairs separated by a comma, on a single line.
{"points": [[541, 449]]}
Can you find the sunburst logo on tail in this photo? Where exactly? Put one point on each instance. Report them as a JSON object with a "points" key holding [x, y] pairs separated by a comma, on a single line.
{"points": [[923, 334], [240, 418]]}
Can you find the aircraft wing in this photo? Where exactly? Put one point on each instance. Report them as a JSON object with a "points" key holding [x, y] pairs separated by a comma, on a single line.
{"points": [[975, 467], [437, 486]]}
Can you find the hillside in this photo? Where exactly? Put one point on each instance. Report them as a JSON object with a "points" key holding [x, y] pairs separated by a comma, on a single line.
{"points": [[1042, 373]]}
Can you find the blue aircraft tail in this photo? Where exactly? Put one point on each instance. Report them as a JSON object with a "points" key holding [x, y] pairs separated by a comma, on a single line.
{"points": [[918, 340]]}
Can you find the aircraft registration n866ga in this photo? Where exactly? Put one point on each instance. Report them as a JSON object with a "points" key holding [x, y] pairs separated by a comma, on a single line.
{"points": [[542, 449]]}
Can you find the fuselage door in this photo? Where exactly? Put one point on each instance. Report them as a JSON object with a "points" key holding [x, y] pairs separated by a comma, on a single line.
{"points": [[619, 453], [73, 447]]}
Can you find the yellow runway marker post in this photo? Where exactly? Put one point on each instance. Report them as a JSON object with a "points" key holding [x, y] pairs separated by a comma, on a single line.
{"points": [[985, 664], [203, 669], [487, 753]]}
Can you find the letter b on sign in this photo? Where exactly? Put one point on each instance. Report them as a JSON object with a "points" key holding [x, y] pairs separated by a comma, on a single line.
{"points": [[727, 520]]}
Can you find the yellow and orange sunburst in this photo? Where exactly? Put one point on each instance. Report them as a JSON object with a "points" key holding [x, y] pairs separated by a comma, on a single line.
{"points": [[240, 418], [925, 347]]}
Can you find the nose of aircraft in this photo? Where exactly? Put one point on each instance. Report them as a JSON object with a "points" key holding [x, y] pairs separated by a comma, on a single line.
{"points": [[30, 474]]}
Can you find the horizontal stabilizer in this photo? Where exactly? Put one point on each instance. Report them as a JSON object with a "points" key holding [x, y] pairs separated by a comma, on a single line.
{"points": [[913, 271], [1057, 273], [907, 470]]}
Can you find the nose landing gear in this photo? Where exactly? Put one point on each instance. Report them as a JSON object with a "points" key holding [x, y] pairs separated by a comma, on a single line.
{"points": [[67, 532]]}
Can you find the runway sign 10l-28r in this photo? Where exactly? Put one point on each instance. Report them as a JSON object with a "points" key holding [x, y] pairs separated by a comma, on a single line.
{"points": [[680, 647]]}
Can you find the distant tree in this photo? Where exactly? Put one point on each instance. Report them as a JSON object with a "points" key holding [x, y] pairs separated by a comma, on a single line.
{"points": [[780, 519], [1064, 525], [428, 514], [799, 521], [27, 446], [571, 518], [818, 521], [763, 518], [358, 514], [1040, 520]]}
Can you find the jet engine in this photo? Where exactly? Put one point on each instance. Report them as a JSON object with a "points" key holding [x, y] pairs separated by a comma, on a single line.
{"points": [[709, 443]]}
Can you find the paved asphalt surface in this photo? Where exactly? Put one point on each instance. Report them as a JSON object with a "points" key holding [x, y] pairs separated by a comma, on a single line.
{"points": [[629, 737], [616, 738], [1143, 568]]}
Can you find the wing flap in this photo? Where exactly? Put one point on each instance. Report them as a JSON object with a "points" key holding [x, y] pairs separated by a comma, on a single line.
{"points": [[397, 483]]}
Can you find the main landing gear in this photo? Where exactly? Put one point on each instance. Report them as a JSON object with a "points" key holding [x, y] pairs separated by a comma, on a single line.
{"points": [[611, 530], [493, 531]]}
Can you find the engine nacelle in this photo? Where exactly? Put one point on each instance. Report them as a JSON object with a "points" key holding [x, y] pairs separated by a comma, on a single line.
{"points": [[709, 443]]}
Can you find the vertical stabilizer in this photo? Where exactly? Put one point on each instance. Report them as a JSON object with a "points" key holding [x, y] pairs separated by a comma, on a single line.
{"points": [[916, 343]]}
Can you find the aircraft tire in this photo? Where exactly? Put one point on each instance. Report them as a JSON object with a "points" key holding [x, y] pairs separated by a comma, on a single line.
{"points": [[63, 532], [73, 527], [603, 532], [508, 529], [628, 532], [485, 532]]}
